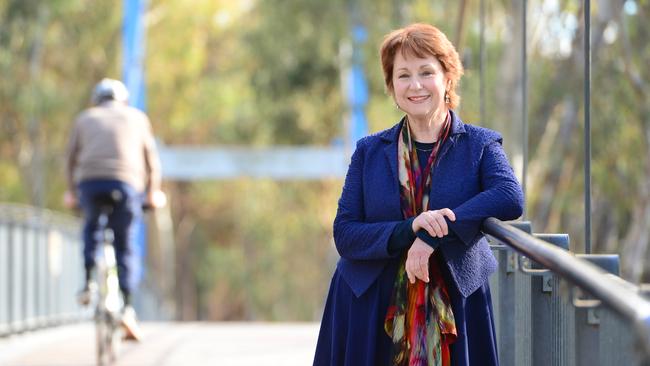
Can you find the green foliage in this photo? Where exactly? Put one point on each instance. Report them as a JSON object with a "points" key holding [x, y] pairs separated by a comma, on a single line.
{"points": [[267, 244], [51, 62]]}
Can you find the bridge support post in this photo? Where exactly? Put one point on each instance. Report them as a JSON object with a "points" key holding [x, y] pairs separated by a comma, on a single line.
{"points": [[602, 338], [511, 301], [553, 316]]}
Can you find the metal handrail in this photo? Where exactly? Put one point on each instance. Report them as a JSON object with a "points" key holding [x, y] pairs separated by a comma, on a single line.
{"points": [[627, 302], [40, 268]]}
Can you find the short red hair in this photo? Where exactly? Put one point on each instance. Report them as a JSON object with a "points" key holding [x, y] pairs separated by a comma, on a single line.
{"points": [[422, 40]]}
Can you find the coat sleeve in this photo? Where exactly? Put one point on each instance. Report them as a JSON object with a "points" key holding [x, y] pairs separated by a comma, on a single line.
{"points": [[354, 238], [502, 196]]}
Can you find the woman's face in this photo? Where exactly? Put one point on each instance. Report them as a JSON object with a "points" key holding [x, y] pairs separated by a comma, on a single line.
{"points": [[419, 86]]}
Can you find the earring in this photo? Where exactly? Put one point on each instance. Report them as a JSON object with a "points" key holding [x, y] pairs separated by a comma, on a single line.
{"points": [[397, 106], [447, 98]]}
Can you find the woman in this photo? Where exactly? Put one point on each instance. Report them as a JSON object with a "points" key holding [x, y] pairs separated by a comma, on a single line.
{"points": [[411, 287]]}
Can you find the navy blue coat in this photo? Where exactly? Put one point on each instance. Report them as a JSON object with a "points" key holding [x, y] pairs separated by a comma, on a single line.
{"points": [[472, 177]]}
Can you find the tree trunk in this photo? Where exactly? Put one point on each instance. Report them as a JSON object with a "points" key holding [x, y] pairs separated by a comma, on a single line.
{"points": [[548, 170], [32, 151], [186, 291], [637, 239], [507, 117], [460, 26]]}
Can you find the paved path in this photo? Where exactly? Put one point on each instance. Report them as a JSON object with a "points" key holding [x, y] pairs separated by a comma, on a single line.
{"points": [[167, 344]]}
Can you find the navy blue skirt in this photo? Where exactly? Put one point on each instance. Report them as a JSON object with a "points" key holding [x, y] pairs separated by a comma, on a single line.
{"points": [[352, 330]]}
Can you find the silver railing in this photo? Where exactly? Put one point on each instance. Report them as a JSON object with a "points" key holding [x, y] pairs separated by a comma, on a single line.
{"points": [[40, 268], [553, 307]]}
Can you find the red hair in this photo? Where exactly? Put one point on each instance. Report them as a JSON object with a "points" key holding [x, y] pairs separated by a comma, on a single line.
{"points": [[422, 40]]}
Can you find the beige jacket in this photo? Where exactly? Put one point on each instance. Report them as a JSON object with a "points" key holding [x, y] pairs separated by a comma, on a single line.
{"points": [[113, 141]]}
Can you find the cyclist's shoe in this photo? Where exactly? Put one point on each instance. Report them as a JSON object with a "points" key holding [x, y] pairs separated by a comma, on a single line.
{"points": [[130, 324], [85, 294]]}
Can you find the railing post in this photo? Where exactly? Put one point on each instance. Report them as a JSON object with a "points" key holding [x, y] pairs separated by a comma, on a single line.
{"points": [[41, 276], [4, 276], [511, 301], [602, 337], [589, 321], [54, 243], [628, 303], [65, 283], [16, 277], [553, 324], [29, 274]]}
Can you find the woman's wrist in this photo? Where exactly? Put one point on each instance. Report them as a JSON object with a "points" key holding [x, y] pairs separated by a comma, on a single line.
{"points": [[402, 237]]}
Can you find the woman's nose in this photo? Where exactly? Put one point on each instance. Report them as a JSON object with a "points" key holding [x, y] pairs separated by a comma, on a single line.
{"points": [[415, 83]]}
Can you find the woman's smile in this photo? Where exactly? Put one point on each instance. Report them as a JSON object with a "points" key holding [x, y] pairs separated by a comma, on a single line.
{"points": [[419, 98]]}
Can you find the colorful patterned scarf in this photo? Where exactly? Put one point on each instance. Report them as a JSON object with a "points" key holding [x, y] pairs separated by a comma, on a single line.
{"points": [[419, 320]]}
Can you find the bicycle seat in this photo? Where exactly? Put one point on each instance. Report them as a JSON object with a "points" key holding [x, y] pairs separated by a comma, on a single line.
{"points": [[109, 199]]}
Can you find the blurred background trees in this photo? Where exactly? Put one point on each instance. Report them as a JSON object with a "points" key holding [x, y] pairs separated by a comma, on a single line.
{"points": [[263, 72]]}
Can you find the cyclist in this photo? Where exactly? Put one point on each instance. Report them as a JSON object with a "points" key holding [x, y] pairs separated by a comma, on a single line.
{"points": [[111, 147]]}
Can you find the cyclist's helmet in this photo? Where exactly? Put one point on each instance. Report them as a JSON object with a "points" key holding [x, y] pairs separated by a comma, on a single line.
{"points": [[109, 89]]}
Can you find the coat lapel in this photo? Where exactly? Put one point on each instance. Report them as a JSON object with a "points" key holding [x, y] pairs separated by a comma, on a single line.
{"points": [[391, 200], [457, 129], [391, 155], [390, 150]]}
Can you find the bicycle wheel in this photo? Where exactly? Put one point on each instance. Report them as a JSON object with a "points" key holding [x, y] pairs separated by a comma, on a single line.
{"points": [[104, 338], [114, 339]]}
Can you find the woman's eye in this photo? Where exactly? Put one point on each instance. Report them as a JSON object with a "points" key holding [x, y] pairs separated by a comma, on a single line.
{"points": [[427, 73], [402, 76]]}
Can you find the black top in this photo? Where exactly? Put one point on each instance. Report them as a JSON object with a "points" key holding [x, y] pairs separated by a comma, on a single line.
{"points": [[403, 235]]}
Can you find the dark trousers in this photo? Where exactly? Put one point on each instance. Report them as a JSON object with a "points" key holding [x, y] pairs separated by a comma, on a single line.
{"points": [[127, 212]]}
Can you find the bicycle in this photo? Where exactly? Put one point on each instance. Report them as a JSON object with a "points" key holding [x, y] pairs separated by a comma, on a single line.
{"points": [[110, 315], [108, 305], [113, 321]]}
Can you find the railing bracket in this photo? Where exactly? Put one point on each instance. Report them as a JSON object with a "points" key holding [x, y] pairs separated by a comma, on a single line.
{"points": [[528, 270], [582, 303]]}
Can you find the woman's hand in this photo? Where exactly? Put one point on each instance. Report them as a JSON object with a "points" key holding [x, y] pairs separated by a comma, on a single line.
{"points": [[417, 261], [434, 222]]}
